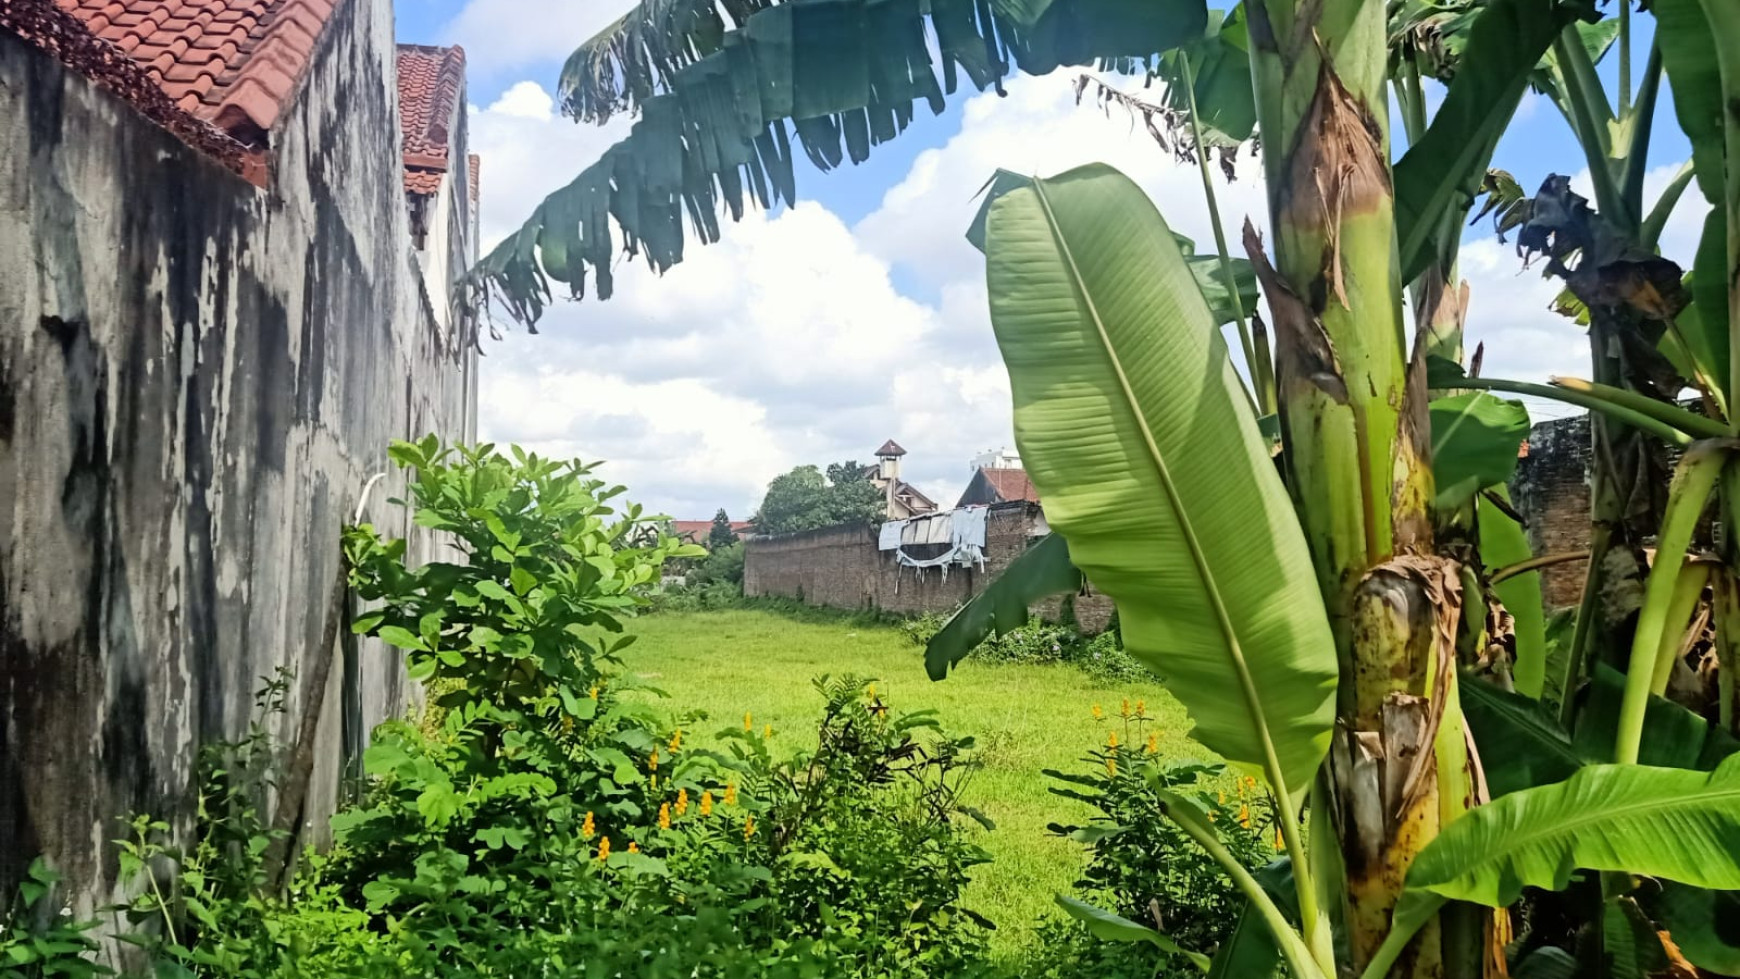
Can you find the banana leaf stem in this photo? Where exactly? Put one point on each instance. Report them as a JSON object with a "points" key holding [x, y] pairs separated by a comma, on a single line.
{"points": [[1293, 948], [1600, 539], [1535, 564], [1629, 416], [1262, 372], [1693, 482]]}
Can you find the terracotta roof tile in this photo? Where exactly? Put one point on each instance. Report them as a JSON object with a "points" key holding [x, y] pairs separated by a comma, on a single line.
{"points": [[430, 80], [115, 59], [232, 63]]}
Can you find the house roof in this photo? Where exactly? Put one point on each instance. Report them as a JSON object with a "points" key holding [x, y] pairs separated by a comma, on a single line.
{"points": [[430, 79], [890, 448], [698, 530], [233, 63], [1011, 484], [912, 493]]}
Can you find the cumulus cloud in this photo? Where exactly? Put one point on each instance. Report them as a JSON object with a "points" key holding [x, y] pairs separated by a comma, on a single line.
{"points": [[504, 38], [799, 338]]}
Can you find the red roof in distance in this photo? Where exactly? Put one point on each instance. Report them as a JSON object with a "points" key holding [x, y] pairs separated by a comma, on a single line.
{"points": [[430, 79]]}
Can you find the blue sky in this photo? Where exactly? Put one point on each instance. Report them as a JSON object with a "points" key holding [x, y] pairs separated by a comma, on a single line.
{"points": [[811, 335]]}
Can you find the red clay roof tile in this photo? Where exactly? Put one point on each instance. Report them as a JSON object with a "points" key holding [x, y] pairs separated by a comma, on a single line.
{"points": [[430, 80], [233, 63]]}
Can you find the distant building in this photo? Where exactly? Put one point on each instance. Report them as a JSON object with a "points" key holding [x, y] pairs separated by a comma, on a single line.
{"points": [[992, 486], [903, 499], [1004, 458], [697, 531]]}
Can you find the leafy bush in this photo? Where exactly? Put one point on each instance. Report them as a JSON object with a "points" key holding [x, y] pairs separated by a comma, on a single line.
{"points": [[1102, 656], [722, 564], [38, 940], [1141, 866], [543, 818]]}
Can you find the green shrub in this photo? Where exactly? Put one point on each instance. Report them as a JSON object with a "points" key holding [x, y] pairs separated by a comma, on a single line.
{"points": [[1142, 866], [543, 817]]}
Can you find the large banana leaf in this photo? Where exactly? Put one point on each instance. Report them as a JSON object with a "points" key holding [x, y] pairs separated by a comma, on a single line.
{"points": [[719, 108], [1521, 745], [1475, 439], [1136, 432], [1691, 56], [1666, 823], [1040, 571]]}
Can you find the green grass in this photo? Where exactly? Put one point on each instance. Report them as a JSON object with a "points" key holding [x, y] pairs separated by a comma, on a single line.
{"points": [[1026, 718]]}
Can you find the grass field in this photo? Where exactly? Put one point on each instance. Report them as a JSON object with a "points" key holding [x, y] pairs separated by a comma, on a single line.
{"points": [[1026, 718]]}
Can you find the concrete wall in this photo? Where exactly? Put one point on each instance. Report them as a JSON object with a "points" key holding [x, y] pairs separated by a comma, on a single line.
{"points": [[841, 567], [196, 378]]}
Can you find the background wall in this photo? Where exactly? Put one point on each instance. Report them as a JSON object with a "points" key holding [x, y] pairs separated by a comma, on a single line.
{"points": [[841, 567], [196, 378]]}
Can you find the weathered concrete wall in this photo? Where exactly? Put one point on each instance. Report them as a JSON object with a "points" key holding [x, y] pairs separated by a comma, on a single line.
{"points": [[196, 378], [841, 567]]}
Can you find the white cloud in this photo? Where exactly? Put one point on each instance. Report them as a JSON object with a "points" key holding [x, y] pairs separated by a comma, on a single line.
{"points": [[788, 341], [503, 38], [801, 339]]}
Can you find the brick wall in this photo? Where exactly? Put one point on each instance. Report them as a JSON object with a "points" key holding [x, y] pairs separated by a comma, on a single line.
{"points": [[841, 567], [1551, 490]]}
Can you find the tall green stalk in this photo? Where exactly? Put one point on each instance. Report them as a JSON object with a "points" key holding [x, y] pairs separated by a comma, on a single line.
{"points": [[1256, 359], [1356, 436]]}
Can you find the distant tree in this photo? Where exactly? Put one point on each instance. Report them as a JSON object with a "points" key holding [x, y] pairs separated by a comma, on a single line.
{"points": [[804, 499], [841, 473], [721, 535]]}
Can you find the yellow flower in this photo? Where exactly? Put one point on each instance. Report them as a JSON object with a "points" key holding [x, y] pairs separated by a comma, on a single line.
{"points": [[595, 691], [1211, 815], [682, 801], [1153, 744], [748, 721], [665, 816], [588, 827], [870, 691], [633, 847], [748, 826], [676, 740], [1098, 713], [1250, 781], [1111, 765], [731, 793], [652, 762], [1112, 739], [1220, 798], [706, 803], [767, 730], [1245, 816], [1124, 711], [1141, 708], [604, 849], [1279, 842]]}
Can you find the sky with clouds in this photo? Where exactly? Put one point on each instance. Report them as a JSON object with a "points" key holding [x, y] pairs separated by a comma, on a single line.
{"points": [[812, 334]]}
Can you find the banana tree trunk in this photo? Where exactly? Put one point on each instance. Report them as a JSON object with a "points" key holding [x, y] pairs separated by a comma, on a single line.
{"points": [[1353, 401]]}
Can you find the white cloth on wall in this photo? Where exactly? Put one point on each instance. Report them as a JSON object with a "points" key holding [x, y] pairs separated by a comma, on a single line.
{"points": [[962, 531], [888, 539]]}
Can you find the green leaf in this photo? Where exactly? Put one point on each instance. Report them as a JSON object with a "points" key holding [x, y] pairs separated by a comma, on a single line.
{"points": [[718, 110], [401, 637], [1038, 572], [1604, 818], [1437, 179], [1116, 928], [1502, 542], [1205, 269], [1547, 963], [1673, 737], [1521, 744], [1137, 432], [1250, 951], [1705, 925], [1475, 439]]}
